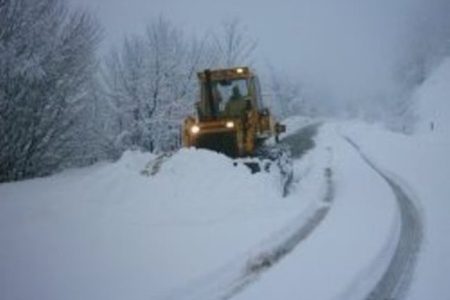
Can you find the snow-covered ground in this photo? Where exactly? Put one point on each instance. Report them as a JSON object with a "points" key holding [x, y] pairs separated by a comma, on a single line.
{"points": [[433, 105], [108, 232], [202, 228], [422, 164]]}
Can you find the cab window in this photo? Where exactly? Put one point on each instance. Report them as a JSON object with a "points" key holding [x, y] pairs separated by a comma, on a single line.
{"points": [[225, 91]]}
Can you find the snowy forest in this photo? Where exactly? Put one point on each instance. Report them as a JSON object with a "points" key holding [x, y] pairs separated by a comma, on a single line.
{"points": [[64, 103]]}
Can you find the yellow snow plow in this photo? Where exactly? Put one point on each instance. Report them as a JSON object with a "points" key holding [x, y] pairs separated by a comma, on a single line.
{"points": [[231, 118]]}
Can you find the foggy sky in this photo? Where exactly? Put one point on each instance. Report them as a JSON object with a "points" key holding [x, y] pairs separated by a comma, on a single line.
{"points": [[346, 49]]}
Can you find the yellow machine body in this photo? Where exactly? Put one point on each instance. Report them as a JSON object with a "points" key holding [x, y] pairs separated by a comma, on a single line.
{"points": [[231, 118]]}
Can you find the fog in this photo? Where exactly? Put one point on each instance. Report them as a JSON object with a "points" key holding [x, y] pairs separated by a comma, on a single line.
{"points": [[344, 53]]}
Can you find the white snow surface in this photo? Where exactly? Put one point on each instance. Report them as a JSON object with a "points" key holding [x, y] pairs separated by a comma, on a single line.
{"points": [[433, 104], [109, 232], [421, 163], [350, 249], [190, 231]]}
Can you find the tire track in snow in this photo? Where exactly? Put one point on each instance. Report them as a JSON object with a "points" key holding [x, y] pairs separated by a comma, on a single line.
{"points": [[236, 277], [299, 142], [233, 279], [396, 278], [265, 260]]}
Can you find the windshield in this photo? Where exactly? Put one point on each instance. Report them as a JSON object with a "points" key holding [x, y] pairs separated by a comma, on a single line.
{"points": [[225, 91]]}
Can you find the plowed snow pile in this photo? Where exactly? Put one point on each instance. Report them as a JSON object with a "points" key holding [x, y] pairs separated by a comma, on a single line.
{"points": [[109, 232]]}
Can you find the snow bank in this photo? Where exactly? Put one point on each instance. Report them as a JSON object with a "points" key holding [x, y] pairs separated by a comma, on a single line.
{"points": [[211, 186], [433, 101], [108, 232]]}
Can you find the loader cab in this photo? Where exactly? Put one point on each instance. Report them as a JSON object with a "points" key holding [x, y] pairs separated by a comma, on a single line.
{"points": [[228, 93]]}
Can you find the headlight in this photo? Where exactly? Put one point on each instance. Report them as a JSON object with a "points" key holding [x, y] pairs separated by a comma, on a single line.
{"points": [[229, 124], [195, 129]]}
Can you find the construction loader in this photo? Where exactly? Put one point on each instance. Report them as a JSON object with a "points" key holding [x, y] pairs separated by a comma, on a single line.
{"points": [[231, 118]]}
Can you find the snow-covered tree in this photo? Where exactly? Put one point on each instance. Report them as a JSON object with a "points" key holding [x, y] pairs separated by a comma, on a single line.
{"points": [[285, 94], [232, 45], [47, 58], [151, 83]]}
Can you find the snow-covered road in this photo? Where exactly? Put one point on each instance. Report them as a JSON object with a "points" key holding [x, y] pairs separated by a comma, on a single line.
{"points": [[398, 275], [351, 248]]}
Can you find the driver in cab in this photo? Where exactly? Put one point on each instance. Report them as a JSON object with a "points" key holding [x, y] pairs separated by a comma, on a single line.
{"points": [[236, 105]]}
